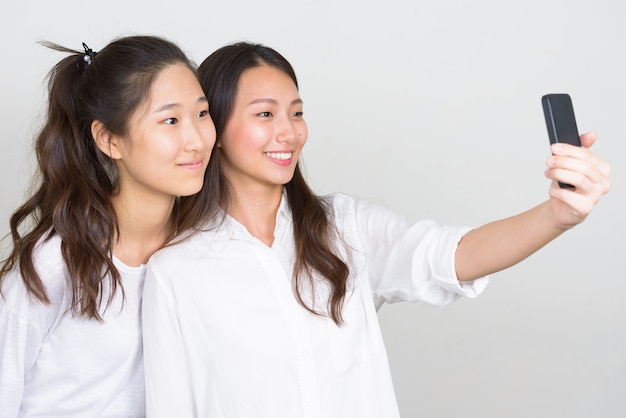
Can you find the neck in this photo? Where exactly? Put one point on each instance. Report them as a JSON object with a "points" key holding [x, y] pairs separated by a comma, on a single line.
{"points": [[256, 210], [144, 227]]}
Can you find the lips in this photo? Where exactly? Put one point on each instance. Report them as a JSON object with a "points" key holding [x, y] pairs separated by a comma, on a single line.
{"points": [[193, 164]]}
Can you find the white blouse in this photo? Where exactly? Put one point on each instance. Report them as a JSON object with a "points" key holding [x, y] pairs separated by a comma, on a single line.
{"points": [[225, 337]]}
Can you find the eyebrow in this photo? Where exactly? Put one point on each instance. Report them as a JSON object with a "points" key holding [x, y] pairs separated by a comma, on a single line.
{"points": [[170, 106], [273, 101]]}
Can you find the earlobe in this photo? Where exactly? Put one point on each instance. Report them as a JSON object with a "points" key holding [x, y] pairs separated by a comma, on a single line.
{"points": [[105, 140]]}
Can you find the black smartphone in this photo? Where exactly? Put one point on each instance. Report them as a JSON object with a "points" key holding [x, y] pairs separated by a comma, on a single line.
{"points": [[560, 121]]}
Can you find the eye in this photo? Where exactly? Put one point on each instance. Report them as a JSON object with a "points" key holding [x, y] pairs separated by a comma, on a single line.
{"points": [[265, 114], [171, 121], [203, 113], [298, 114]]}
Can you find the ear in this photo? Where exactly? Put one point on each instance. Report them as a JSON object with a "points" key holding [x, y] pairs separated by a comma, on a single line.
{"points": [[106, 141]]}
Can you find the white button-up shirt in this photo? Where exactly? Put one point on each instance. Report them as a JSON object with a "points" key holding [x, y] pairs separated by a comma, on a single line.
{"points": [[225, 337]]}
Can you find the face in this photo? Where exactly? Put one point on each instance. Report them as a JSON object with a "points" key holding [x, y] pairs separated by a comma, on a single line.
{"points": [[169, 141], [265, 133]]}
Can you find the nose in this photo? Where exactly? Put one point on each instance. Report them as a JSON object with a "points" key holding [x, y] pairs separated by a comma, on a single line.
{"points": [[199, 136], [285, 130]]}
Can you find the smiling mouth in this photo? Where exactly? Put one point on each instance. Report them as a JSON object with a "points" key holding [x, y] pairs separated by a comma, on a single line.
{"points": [[283, 156]]}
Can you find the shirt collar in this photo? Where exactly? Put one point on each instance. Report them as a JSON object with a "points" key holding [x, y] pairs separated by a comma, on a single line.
{"points": [[219, 233], [284, 211]]}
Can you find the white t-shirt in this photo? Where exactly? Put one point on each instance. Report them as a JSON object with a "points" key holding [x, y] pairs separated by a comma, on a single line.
{"points": [[225, 337], [54, 364]]}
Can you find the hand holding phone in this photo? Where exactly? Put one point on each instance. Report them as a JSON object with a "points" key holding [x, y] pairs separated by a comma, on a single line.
{"points": [[561, 122]]}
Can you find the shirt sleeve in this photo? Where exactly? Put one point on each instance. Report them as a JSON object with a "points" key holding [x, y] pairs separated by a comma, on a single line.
{"points": [[410, 261], [168, 381], [24, 322]]}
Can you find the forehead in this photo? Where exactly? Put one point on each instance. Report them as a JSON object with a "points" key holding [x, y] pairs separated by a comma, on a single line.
{"points": [[171, 78], [265, 81], [175, 83]]}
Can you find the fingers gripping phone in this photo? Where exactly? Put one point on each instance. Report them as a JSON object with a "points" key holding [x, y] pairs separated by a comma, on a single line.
{"points": [[560, 121]]}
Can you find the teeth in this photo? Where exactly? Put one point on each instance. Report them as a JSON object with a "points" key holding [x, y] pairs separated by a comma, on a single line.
{"points": [[279, 155]]}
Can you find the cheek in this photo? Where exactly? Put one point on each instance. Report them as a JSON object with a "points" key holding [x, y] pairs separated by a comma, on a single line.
{"points": [[210, 137], [156, 144], [303, 135], [245, 138], [259, 135], [163, 150]]}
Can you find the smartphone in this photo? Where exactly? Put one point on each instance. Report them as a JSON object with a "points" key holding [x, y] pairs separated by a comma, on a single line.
{"points": [[560, 121]]}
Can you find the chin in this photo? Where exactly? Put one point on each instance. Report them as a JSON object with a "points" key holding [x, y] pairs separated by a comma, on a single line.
{"points": [[189, 191], [282, 180]]}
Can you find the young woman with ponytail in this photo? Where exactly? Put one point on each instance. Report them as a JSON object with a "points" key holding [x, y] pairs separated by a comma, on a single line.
{"points": [[125, 144]]}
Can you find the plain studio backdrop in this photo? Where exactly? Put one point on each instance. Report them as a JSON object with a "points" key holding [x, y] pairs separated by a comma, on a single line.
{"points": [[432, 107]]}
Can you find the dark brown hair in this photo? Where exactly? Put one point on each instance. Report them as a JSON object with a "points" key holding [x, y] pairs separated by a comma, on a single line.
{"points": [[72, 192], [314, 232]]}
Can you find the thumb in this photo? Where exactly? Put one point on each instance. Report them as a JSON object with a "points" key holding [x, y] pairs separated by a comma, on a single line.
{"points": [[588, 139]]}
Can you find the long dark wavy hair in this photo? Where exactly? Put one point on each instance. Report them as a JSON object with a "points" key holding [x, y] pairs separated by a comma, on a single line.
{"points": [[71, 194], [314, 232]]}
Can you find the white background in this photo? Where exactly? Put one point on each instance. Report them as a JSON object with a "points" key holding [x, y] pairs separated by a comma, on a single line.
{"points": [[434, 108]]}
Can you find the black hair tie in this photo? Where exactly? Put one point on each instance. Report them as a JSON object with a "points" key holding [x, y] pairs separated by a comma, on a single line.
{"points": [[89, 55]]}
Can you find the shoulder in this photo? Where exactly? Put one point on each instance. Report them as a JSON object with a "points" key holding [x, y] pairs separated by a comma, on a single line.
{"points": [[48, 261], [339, 204], [344, 207], [47, 258], [187, 247]]}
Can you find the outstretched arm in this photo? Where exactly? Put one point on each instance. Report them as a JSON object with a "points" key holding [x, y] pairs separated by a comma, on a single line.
{"points": [[501, 244]]}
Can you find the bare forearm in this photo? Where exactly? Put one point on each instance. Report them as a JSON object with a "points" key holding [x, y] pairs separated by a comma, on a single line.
{"points": [[504, 243], [501, 244]]}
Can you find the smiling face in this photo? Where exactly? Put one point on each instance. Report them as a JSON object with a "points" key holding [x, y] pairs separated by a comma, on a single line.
{"points": [[265, 132], [169, 141]]}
